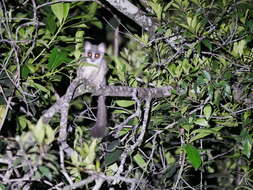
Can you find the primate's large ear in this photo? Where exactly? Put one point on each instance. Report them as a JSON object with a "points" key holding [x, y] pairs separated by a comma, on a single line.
{"points": [[101, 47], [87, 45]]}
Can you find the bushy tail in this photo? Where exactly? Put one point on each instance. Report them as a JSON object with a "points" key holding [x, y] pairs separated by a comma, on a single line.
{"points": [[99, 128]]}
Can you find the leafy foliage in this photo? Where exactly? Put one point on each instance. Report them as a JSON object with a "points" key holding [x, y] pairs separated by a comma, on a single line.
{"points": [[200, 137]]}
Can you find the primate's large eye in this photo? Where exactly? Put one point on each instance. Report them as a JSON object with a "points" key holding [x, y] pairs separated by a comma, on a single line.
{"points": [[89, 54], [97, 55]]}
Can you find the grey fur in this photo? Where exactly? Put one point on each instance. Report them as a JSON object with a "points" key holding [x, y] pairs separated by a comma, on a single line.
{"points": [[95, 73]]}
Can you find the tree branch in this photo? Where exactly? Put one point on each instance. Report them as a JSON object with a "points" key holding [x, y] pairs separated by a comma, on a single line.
{"points": [[134, 13], [81, 86]]}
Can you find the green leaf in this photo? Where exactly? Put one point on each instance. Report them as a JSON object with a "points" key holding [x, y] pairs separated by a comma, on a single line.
{"points": [[46, 172], [189, 20], [194, 22], [56, 58], [229, 123], [22, 122], [203, 130], [172, 69], [50, 23], [75, 158], [25, 71], [245, 16], [50, 134], [193, 155], [223, 60], [38, 86], [60, 10], [207, 111], [239, 47], [196, 2], [92, 9], [140, 161], [79, 36], [170, 158], [90, 150], [120, 68], [207, 75], [97, 23], [207, 44], [3, 112], [125, 103], [199, 136], [112, 169], [27, 139], [39, 131], [247, 146], [2, 187], [120, 112], [176, 71], [1, 15], [188, 127], [201, 133], [247, 141], [157, 8], [186, 66], [112, 157], [75, 173], [246, 115], [201, 122]]}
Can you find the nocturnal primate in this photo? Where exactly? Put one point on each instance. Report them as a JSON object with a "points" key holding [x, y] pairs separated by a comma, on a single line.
{"points": [[95, 72]]}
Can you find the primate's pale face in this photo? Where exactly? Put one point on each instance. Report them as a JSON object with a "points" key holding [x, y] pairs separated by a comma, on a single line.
{"points": [[94, 53]]}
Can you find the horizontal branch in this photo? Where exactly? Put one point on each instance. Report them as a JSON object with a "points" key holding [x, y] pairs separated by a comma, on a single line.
{"points": [[81, 86], [126, 91]]}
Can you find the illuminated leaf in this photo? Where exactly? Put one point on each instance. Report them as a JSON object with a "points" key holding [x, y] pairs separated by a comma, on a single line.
{"points": [[60, 10], [125, 103], [193, 155]]}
